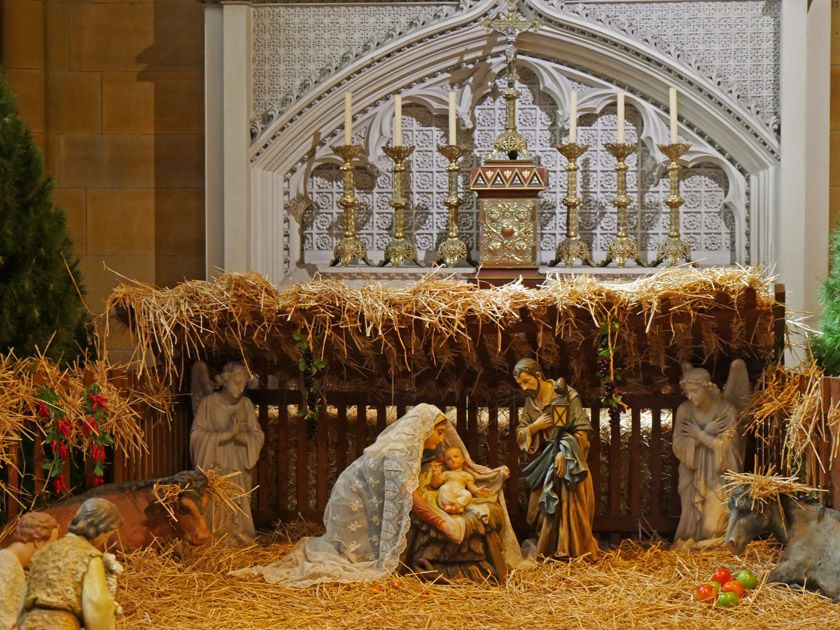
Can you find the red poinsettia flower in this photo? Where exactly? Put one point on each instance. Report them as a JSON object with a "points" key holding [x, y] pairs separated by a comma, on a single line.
{"points": [[98, 401]]}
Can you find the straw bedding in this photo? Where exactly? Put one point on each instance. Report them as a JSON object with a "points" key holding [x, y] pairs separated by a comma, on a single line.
{"points": [[438, 331], [631, 587]]}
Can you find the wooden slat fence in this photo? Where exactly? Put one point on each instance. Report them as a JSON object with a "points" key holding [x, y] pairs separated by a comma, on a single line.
{"points": [[299, 465]]}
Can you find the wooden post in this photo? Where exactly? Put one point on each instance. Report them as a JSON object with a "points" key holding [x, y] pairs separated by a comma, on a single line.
{"points": [[656, 465], [636, 464], [493, 437], [283, 444]]}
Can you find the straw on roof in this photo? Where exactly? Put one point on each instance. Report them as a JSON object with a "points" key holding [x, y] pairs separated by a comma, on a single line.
{"points": [[439, 329]]}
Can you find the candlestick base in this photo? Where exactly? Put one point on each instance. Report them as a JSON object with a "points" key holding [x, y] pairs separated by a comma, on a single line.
{"points": [[347, 250], [671, 250], [452, 251], [570, 250], [620, 250], [399, 250]]}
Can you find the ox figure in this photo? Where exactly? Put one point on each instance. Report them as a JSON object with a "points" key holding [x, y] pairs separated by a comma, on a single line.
{"points": [[809, 531], [146, 521]]}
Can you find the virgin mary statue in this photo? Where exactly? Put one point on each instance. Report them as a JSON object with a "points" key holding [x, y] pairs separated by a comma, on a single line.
{"points": [[368, 513]]}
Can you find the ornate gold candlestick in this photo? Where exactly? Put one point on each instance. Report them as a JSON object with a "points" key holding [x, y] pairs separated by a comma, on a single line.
{"points": [[349, 248], [453, 249], [621, 248], [572, 247], [400, 248], [673, 248]]}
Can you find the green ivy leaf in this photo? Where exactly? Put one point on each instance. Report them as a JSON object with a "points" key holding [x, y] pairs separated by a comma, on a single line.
{"points": [[302, 365]]}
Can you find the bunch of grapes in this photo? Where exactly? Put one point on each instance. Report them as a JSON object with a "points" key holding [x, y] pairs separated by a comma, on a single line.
{"points": [[604, 367]]}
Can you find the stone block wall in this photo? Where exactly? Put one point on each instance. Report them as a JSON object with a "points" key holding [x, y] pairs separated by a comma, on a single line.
{"points": [[113, 92]]}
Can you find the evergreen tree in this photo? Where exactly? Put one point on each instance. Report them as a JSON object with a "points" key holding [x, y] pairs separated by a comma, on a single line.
{"points": [[827, 347], [40, 307]]}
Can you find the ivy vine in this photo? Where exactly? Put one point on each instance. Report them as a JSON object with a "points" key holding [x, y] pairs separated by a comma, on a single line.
{"points": [[309, 368], [607, 369]]}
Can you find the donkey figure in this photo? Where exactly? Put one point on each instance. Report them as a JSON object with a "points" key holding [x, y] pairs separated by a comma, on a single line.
{"points": [[809, 531]]}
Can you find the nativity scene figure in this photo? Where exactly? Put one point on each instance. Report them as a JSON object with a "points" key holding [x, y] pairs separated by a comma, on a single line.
{"points": [[554, 434], [226, 436], [383, 515], [708, 441]]}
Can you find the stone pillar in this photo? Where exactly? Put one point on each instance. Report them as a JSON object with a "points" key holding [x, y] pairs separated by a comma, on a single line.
{"points": [[800, 235]]}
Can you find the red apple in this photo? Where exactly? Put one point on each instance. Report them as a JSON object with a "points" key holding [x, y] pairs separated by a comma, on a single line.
{"points": [[722, 576], [705, 593], [733, 586]]}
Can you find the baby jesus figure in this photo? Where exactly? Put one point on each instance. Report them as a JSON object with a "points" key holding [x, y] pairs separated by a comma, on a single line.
{"points": [[457, 486]]}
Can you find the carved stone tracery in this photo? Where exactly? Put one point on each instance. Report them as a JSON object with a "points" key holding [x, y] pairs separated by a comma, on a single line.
{"points": [[705, 185]]}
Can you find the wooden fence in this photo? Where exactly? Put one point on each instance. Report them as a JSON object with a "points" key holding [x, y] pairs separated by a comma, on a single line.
{"points": [[634, 470], [823, 466]]}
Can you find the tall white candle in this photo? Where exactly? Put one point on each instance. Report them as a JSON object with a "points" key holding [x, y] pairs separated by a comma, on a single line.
{"points": [[672, 93], [452, 138], [621, 118], [573, 117], [348, 118], [397, 120]]}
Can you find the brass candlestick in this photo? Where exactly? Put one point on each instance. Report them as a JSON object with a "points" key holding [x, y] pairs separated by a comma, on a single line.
{"points": [[673, 248], [349, 248], [621, 248], [572, 247], [453, 249], [400, 248]]}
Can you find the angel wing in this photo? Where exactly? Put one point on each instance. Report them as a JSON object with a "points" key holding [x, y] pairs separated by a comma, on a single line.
{"points": [[201, 384], [737, 389]]}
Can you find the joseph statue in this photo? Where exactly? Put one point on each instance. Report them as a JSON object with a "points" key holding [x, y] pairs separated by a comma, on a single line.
{"points": [[561, 503]]}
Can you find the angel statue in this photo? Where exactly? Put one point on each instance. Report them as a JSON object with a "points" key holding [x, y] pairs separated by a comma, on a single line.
{"points": [[708, 441], [226, 436]]}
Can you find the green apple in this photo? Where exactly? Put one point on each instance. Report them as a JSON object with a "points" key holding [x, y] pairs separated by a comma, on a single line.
{"points": [[747, 579]]}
